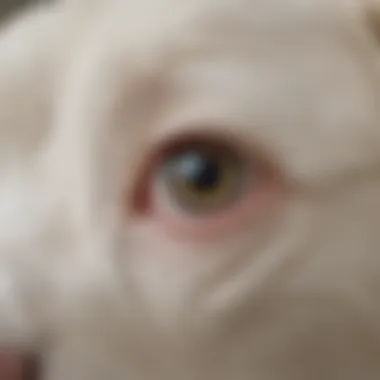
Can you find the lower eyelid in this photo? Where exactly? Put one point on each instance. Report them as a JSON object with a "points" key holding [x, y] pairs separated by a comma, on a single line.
{"points": [[262, 194], [243, 213]]}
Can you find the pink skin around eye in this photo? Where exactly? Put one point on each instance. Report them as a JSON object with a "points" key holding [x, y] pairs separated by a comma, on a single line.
{"points": [[260, 196], [256, 201], [262, 193]]}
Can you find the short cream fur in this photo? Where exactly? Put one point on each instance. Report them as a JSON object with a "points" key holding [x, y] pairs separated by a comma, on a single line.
{"points": [[86, 90]]}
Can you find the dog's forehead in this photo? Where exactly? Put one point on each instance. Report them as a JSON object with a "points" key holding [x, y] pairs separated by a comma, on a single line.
{"points": [[267, 14], [298, 76]]}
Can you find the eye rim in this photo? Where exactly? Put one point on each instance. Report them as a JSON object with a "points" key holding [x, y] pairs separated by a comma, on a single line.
{"points": [[257, 161]]}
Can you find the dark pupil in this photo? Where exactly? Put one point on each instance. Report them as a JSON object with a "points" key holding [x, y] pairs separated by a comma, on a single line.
{"points": [[200, 171]]}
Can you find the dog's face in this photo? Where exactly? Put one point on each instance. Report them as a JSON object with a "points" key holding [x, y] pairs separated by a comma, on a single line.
{"points": [[218, 167]]}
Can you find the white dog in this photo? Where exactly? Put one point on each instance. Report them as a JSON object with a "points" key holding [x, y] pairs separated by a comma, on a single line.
{"points": [[190, 190]]}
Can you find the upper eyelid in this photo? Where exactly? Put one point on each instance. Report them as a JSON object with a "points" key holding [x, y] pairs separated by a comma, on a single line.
{"points": [[214, 131]]}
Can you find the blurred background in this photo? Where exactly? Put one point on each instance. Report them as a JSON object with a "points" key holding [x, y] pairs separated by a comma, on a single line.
{"points": [[7, 7]]}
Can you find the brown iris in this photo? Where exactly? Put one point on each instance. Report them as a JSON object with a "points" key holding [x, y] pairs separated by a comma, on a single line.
{"points": [[202, 178]]}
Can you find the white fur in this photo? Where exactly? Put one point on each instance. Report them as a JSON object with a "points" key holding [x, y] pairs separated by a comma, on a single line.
{"points": [[86, 94]]}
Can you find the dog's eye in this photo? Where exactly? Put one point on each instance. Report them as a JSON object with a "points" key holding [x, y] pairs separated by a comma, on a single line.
{"points": [[197, 187], [200, 179]]}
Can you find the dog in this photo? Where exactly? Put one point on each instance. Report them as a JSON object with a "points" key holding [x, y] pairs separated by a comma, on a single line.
{"points": [[191, 190]]}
